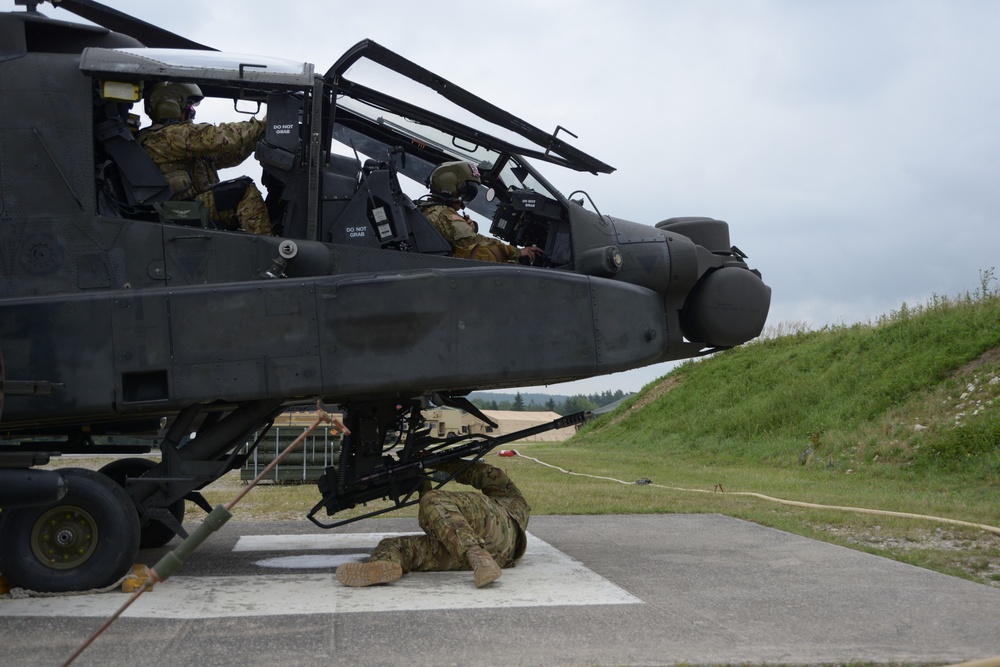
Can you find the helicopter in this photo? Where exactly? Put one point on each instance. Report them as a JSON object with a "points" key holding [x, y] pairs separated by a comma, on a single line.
{"points": [[130, 322]]}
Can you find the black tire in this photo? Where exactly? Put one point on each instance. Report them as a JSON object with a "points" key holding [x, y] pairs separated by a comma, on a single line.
{"points": [[86, 540], [153, 533]]}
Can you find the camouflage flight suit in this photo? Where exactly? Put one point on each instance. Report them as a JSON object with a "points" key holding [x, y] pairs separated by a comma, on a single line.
{"points": [[464, 237], [455, 521], [190, 155]]}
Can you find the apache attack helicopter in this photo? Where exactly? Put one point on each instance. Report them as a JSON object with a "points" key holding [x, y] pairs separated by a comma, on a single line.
{"points": [[128, 322]]}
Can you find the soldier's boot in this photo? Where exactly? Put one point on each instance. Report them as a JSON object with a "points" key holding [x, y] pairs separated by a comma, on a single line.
{"points": [[368, 574], [484, 568]]}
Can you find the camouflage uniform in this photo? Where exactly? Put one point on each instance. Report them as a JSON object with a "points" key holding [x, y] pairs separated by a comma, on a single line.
{"points": [[190, 155], [462, 233], [456, 521]]}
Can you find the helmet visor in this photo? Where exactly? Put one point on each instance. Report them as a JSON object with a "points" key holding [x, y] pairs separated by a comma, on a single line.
{"points": [[468, 191], [189, 105]]}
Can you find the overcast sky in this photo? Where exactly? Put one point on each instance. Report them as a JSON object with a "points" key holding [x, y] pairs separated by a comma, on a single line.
{"points": [[853, 146]]}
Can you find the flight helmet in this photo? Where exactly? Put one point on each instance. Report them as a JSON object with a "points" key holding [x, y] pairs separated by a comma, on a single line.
{"points": [[168, 101], [455, 180]]}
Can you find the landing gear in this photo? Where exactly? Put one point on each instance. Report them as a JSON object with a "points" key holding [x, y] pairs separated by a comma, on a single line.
{"points": [[153, 533], [86, 540]]}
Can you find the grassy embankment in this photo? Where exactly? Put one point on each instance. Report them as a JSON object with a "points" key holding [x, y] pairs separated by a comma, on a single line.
{"points": [[900, 415]]}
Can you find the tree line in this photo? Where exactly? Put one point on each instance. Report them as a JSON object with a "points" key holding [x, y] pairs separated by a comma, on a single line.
{"points": [[568, 406]]}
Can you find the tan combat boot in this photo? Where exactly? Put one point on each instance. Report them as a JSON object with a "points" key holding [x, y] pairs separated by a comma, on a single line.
{"points": [[367, 574], [484, 568]]}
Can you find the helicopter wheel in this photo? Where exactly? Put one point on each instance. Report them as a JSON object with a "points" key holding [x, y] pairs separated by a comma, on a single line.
{"points": [[87, 540], [153, 533]]}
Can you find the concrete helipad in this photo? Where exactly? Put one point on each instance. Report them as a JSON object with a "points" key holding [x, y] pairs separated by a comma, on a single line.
{"points": [[609, 590]]}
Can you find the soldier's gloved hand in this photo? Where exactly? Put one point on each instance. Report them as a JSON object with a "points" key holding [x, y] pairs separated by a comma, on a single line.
{"points": [[449, 467], [531, 253], [472, 223]]}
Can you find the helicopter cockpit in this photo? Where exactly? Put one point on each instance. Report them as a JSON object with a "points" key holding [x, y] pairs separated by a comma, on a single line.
{"points": [[334, 146], [430, 121], [122, 75], [522, 207]]}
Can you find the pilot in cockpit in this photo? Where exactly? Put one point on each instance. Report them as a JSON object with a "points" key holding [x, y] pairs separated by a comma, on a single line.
{"points": [[190, 154], [452, 185]]}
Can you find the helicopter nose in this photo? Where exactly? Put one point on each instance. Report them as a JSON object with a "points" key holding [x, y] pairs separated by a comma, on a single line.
{"points": [[727, 307]]}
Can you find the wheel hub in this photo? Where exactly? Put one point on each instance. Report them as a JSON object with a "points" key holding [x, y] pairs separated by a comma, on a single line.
{"points": [[64, 537]]}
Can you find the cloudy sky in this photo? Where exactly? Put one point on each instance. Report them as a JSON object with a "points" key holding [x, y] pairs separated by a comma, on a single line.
{"points": [[852, 145]]}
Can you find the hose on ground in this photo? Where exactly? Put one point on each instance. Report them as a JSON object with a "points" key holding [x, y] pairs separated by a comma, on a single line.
{"points": [[793, 503]]}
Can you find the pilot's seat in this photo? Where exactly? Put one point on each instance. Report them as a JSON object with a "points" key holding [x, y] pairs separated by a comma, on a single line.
{"points": [[129, 182], [130, 185], [378, 214]]}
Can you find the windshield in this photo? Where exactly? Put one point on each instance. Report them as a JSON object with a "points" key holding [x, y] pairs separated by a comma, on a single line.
{"points": [[376, 83], [419, 133], [386, 135]]}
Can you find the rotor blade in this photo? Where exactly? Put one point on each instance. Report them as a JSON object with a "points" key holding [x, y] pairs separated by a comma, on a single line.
{"points": [[112, 19]]}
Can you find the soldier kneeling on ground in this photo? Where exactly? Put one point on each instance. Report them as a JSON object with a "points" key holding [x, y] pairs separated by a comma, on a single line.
{"points": [[463, 530]]}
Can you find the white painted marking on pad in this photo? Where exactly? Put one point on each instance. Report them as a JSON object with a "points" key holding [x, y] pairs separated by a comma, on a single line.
{"points": [[312, 541], [310, 562], [545, 577]]}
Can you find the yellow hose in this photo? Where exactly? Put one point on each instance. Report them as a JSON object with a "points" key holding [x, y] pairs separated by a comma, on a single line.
{"points": [[793, 503]]}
